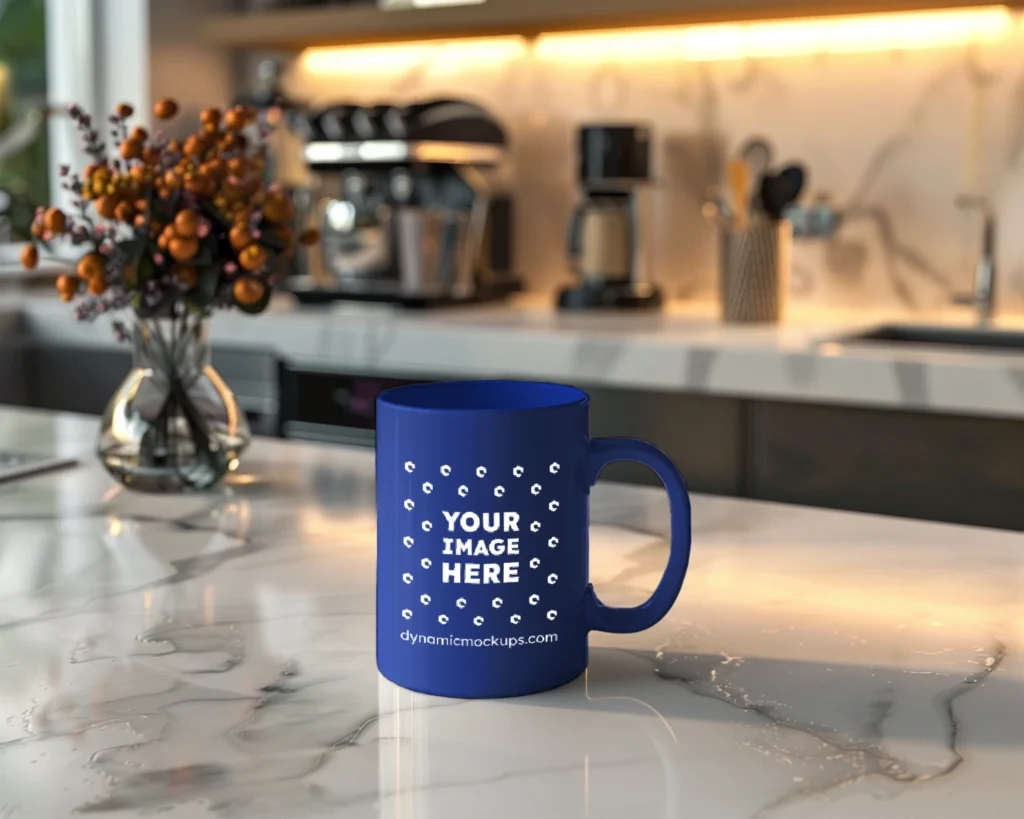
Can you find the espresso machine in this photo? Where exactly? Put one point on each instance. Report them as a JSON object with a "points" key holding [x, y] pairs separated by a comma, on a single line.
{"points": [[411, 204], [604, 244]]}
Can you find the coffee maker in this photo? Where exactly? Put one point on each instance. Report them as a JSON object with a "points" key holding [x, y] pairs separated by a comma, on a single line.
{"points": [[411, 205], [604, 229]]}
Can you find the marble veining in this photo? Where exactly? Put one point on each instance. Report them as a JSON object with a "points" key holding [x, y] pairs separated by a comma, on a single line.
{"points": [[213, 656]]}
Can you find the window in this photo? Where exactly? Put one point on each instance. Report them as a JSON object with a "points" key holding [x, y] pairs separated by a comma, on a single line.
{"points": [[24, 165]]}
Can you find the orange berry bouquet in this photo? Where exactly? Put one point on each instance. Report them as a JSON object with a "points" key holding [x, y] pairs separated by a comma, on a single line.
{"points": [[171, 228], [171, 231]]}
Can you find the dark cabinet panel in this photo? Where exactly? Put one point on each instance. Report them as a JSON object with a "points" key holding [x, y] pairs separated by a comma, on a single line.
{"points": [[960, 470], [13, 389], [78, 379], [702, 434], [71, 379]]}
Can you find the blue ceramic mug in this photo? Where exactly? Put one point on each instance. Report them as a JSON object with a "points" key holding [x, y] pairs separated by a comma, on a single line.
{"points": [[482, 536]]}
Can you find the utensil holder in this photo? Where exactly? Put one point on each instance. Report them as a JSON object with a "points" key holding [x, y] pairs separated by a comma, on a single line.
{"points": [[754, 271]]}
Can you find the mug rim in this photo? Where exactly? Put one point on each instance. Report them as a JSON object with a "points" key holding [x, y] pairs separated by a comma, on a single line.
{"points": [[441, 396]]}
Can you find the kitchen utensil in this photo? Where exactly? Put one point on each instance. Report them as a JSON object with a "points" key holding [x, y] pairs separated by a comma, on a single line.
{"points": [[482, 490], [797, 177], [776, 192], [780, 190], [739, 190], [759, 155]]}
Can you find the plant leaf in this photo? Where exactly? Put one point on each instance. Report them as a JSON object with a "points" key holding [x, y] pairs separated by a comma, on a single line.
{"points": [[206, 287], [141, 271], [127, 251], [214, 215], [270, 238]]}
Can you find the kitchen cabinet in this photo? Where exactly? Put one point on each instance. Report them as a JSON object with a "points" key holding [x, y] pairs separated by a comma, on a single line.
{"points": [[935, 467], [701, 433], [292, 28], [72, 379], [12, 359], [698, 431], [894, 462]]}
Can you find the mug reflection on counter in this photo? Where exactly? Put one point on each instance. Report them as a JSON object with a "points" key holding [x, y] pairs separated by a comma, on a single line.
{"points": [[555, 760]]}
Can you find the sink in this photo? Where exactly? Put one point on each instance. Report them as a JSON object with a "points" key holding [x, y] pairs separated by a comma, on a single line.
{"points": [[940, 336]]}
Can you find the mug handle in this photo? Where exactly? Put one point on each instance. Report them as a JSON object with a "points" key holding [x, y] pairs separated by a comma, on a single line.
{"points": [[600, 617]]}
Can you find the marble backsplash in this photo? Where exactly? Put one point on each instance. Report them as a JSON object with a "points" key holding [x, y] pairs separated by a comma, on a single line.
{"points": [[891, 138]]}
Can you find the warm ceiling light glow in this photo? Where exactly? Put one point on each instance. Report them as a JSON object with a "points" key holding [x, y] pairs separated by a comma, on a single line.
{"points": [[396, 58], [783, 38]]}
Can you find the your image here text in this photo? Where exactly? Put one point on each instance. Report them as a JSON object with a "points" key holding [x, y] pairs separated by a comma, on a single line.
{"points": [[480, 572]]}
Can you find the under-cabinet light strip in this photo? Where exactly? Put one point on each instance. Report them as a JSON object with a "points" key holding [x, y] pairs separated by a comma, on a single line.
{"points": [[783, 38], [895, 31]]}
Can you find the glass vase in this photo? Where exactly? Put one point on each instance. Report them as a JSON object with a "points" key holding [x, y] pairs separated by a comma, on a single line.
{"points": [[173, 425]]}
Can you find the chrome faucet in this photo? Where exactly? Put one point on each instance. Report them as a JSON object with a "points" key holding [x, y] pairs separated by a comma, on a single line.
{"points": [[984, 296]]}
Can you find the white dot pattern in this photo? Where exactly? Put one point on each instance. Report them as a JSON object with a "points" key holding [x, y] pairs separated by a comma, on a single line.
{"points": [[499, 491]]}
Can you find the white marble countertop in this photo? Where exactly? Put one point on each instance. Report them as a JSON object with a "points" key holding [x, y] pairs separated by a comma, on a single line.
{"points": [[684, 348], [212, 656]]}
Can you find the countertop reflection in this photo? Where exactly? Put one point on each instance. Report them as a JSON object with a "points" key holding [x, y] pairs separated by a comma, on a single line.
{"points": [[212, 656]]}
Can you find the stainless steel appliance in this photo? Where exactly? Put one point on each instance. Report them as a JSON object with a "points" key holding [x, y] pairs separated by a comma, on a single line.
{"points": [[604, 244], [411, 204]]}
